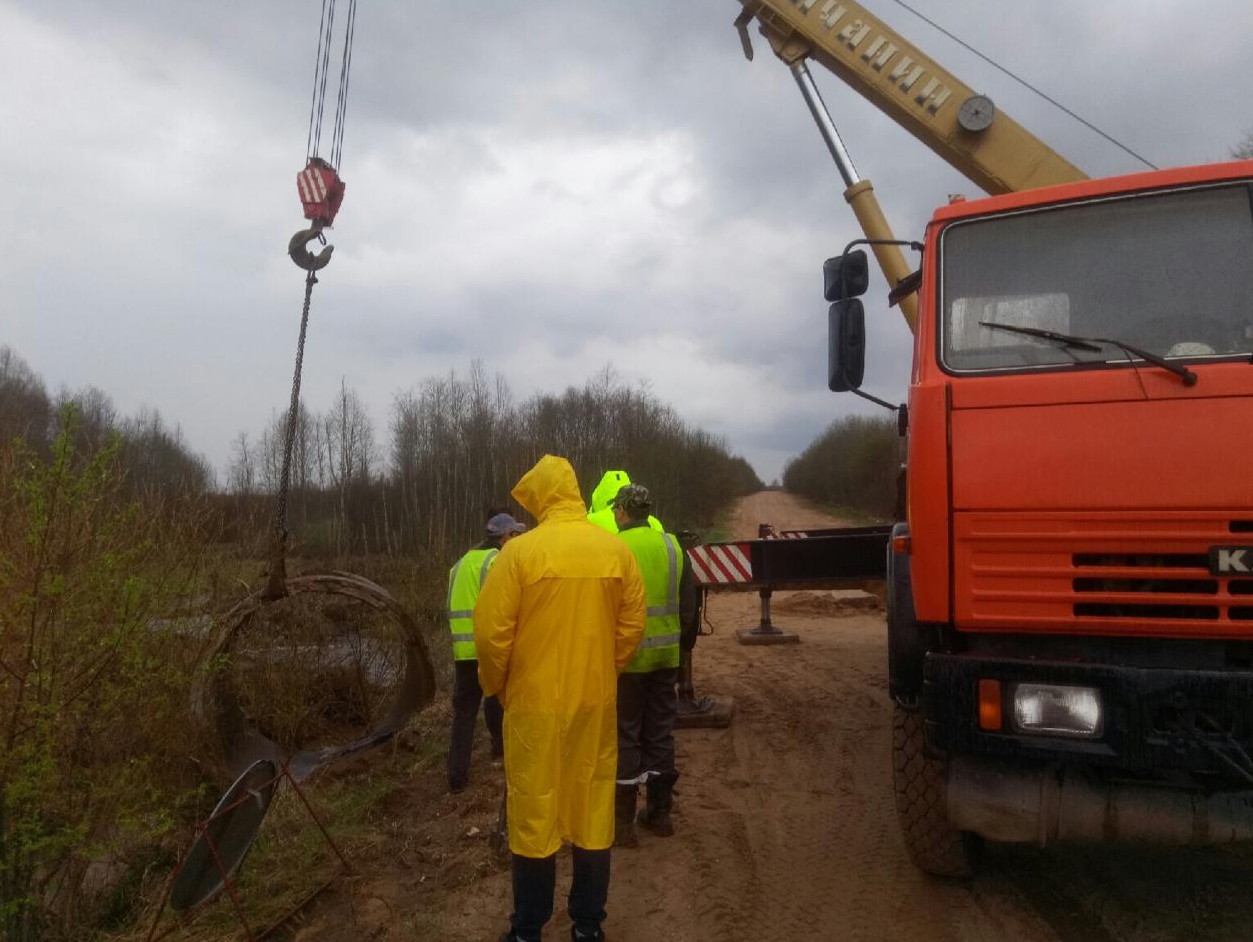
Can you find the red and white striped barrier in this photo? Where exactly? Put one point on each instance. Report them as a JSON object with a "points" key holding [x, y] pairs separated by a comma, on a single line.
{"points": [[789, 535], [721, 563]]}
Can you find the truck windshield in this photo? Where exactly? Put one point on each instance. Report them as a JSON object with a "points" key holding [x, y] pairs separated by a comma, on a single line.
{"points": [[1169, 273]]}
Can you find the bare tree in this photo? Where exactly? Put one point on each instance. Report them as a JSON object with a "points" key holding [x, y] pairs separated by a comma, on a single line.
{"points": [[25, 411], [458, 443], [242, 475], [1244, 150], [96, 418]]}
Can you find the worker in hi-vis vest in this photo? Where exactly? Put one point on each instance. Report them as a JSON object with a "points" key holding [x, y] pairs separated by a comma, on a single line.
{"points": [[465, 579], [601, 510], [647, 701]]}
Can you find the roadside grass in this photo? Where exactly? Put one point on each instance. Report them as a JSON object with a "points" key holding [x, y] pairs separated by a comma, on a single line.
{"points": [[850, 515], [721, 531]]}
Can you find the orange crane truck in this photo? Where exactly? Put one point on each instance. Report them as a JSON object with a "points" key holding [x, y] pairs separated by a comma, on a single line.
{"points": [[1070, 596]]}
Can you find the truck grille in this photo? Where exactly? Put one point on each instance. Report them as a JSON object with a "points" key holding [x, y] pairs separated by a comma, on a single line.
{"points": [[1142, 574]]}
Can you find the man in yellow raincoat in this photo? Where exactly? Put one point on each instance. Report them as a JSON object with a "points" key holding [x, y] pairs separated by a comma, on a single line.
{"points": [[558, 620]]}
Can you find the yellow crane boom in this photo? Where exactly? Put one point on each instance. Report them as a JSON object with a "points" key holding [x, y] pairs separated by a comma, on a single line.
{"points": [[989, 148], [964, 128]]}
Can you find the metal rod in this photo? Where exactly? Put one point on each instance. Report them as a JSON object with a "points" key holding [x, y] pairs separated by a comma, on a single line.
{"points": [[229, 884], [766, 627], [291, 780], [826, 127]]}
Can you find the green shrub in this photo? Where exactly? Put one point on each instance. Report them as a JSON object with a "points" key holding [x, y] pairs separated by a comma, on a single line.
{"points": [[94, 665]]}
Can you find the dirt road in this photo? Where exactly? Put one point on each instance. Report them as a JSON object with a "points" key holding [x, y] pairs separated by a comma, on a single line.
{"points": [[786, 827]]}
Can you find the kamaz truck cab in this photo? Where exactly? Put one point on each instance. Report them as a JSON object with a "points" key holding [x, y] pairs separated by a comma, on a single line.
{"points": [[1071, 595]]}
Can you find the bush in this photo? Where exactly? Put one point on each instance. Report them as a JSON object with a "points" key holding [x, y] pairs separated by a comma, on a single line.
{"points": [[94, 668]]}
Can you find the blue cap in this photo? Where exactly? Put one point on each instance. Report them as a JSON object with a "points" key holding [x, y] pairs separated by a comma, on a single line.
{"points": [[502, 524]]}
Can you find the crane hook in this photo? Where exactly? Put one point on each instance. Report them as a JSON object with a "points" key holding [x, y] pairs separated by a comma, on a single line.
{"points": [[298, 249]]}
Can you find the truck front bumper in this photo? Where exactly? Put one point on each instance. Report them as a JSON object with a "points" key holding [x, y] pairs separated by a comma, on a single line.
{"points": [[1171, 763], [1155, 720]]}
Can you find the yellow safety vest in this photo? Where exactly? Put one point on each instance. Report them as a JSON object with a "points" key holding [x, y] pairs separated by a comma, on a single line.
{"points": [[661, 564], [464, 581], [607, 521]]}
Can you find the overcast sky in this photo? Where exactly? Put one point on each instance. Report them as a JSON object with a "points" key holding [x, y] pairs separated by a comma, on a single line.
{"points": [[548, 186]]}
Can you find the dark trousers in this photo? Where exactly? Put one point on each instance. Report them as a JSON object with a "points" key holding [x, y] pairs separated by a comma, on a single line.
{"points": [[646, 708], [535, 881], [466, 697]]}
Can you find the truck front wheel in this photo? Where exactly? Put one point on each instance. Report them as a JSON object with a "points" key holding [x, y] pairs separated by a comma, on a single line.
{"points": [[921, 803]]}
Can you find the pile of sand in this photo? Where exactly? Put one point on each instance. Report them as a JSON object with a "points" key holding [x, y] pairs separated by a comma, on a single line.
{"points": [[831, 602]]}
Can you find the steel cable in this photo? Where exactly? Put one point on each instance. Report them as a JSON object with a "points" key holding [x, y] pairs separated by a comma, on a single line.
{"points": [[317, 71], [345, 71], [321, 73], [1052, 101]]}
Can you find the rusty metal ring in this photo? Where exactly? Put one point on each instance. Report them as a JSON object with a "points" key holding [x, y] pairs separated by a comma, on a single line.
{"points": [[215, 700]]}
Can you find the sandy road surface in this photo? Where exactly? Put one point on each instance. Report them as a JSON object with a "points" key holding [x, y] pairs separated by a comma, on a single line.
{"points": [[786, 826]]}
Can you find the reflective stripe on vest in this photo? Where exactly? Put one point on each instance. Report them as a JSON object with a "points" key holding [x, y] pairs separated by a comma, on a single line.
{"points": [[661, 564], [464, 581]]}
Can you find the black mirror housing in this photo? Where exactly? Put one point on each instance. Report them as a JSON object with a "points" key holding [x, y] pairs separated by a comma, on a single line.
{"points": [[846, 345], [845, 276]]}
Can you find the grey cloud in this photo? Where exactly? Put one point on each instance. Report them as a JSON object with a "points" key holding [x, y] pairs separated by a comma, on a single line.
{"points": [[153, 204]]}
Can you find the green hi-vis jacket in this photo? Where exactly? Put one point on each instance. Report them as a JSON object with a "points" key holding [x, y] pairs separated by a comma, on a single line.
{"points": [[661, 565], [464, 581], [601, 511]]}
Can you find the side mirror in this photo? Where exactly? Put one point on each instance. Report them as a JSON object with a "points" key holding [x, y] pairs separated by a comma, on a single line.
{"points": [[845, 276], [846, 345]]}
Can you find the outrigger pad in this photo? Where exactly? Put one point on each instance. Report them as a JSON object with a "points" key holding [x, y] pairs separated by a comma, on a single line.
{"points": [[773, 636], [705, 713]]}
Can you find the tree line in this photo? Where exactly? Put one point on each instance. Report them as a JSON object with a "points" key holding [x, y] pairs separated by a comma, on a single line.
{"points": [[854, 464], [152, 453], [454, 447]]}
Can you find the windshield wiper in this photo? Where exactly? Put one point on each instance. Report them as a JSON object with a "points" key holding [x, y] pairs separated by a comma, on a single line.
{"points": [[1091, 344]]}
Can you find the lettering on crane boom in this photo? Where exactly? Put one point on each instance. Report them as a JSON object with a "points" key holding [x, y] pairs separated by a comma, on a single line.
{"points": [[906, 75]]}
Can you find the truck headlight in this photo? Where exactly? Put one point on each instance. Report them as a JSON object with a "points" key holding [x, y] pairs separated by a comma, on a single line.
{"points": [[1057, 710]]}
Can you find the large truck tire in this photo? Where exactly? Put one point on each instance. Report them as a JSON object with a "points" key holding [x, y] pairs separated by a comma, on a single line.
{"points": [[934, 845]]}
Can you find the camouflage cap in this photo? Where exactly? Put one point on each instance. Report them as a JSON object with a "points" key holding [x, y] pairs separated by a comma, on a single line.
{"points": [[634, 499]]}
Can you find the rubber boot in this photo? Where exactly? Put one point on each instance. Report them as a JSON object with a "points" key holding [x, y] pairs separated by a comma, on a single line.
{"points": [[624, 817], [656, 813]]}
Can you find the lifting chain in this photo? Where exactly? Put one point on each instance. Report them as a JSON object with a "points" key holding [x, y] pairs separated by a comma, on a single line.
{"points": [[277, 585]]}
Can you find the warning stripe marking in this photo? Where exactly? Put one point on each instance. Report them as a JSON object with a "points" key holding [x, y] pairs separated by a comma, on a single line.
{"points": [[719, 564], [312, 186]]}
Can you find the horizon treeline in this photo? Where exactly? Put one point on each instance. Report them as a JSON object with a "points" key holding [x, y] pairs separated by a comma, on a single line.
{"points": [[855, 464], [453, 448], [450, 451], [153, 454]]}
